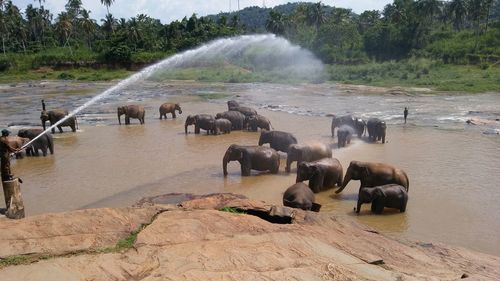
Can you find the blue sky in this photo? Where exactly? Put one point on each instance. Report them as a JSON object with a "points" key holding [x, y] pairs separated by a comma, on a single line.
{"points": [[169, 10]]}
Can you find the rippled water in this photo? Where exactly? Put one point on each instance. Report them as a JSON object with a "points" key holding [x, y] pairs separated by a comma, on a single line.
{"points": [[453, 167]]}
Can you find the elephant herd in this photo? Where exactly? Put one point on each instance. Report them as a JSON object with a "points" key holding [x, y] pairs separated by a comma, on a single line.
{"points": [[349, 125], [382, 185]]}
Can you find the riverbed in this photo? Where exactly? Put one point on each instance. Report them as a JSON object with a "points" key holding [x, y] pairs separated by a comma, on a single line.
{"points": [[452, 166]]}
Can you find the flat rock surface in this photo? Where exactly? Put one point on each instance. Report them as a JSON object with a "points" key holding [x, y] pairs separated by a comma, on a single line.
{"points": [[196, 241]]}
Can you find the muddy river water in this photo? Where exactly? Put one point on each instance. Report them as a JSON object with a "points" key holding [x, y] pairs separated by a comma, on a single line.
{"points": [[453, 167]]}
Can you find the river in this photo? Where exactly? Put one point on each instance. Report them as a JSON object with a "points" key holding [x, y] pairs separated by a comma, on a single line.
{"points": [[453, 167]]}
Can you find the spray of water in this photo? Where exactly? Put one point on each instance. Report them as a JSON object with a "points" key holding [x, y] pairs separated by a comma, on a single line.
{"points": [[260, 51]]}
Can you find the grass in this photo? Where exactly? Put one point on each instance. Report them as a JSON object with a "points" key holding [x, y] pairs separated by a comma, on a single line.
{"points": [[79, 74], [232, 210], [121, 246], [420, 73]]}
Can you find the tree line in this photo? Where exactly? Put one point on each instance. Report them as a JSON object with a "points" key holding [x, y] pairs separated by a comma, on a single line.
{"points": [[455, 31]]}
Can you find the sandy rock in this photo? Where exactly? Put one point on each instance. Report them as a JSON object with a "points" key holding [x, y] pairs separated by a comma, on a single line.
{"points": [[71, 231], [194, 242]]}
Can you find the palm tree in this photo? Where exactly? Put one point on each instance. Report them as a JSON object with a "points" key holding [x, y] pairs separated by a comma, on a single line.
{"points": [[88, 26], [108, 24], [275, 23], [64, 26], [3, 24], [457, 11], [107, 3], [316, 15]]}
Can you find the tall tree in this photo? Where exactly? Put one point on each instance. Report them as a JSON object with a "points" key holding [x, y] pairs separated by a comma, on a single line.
{"points": [[88, 26], [457, 12], [316, 15], [276, 23], [107, 3]]}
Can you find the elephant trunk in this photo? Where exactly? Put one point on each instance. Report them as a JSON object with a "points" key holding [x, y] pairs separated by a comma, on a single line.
{"points": [[347, 178], [186, 128], [225, 160]]}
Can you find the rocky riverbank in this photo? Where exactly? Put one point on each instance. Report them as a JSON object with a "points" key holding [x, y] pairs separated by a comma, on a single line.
{"points": [[162, 239]]}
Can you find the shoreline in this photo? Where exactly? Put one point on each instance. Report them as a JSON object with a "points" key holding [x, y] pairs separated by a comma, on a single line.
{"points": [[186, 237]]}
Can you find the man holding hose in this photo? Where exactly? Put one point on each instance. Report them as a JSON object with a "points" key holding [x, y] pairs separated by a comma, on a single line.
{"points": [[5, 151]]}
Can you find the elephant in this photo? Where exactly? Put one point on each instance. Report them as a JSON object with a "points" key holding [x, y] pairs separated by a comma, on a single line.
{"points": [[342, 120], [247, 111], [131, 111], [359, 126], [54, 116], [322, 174], [232, 105], [200, 121], [300, 196], [344, 135], [252, 123], [389, 195], [221, 125], [306, 153], [17, 143], [42, 143], [237, 119], [376, 129], [373, 174], [252, 158], [277, 140], [169, 108]]}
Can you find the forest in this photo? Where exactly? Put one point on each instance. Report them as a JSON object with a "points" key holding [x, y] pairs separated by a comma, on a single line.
{"points": [[411, 34]]}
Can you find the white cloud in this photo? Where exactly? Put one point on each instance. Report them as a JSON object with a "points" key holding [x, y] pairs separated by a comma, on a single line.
{"points": [[169, 10]]}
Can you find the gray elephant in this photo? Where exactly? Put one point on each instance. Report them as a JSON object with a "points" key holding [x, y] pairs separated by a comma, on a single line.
{"points": [[237, 119], [131, 111], [389, 195], [252, 158], [322, 174], [54, 116], [42, 143], [254, 122], [300, 196], [338, 121], [344, 135], [200, 121], [359, 126], [306, 153], [277, 140], [374, 174], [232, 105], [169, 108], [221, 126], [376, 129]]}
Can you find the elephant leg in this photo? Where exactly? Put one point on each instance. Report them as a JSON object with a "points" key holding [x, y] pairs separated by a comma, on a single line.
{"points": [[53, 130], [374, 207], [383, 138], [276, 167], [358, 206], [127, 120], [245, 170], [173, 115], [60, 129]]}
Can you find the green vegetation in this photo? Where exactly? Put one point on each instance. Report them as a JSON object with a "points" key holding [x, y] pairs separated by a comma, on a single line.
{"points": [[122, 245], [419, 73], [446, 45], [232, 210]]}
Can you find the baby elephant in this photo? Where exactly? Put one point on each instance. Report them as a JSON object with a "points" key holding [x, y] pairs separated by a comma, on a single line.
{"points": [[344, 135], [221, 126], [389, 195], [300, 196], [169, 108], [322, 174], [254, 122]]}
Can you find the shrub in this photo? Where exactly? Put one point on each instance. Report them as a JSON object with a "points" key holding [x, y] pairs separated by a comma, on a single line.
{"points": [[4, 64]]}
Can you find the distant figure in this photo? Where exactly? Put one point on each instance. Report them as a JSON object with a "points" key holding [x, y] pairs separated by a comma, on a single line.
{"points": [[43, 105], [405, 112], [5, 151]]}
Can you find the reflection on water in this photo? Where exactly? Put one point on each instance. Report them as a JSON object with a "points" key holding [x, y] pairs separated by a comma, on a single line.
{"points": [[453, 169]]}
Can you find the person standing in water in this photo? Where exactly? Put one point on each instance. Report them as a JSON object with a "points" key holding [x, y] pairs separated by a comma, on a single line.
{"points": [[5, 151], [405, 113]]}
